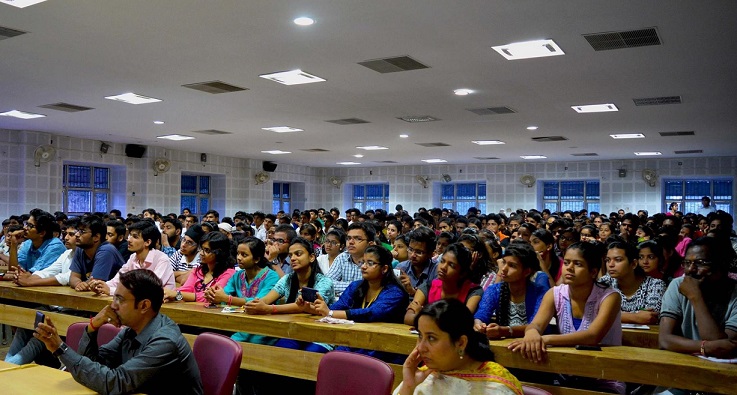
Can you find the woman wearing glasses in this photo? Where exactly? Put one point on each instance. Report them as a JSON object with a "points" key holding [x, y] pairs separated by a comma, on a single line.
{"points": [[333, 246], [216, 267]]}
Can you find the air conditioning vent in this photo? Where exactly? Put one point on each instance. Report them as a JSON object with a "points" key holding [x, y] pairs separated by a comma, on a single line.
{"points": [[211, 132], [418, 118], [485, 157], [433, 144], [492, 110], [214, 87], [656, 101], [586, 154], [6, 32], [66, 107], [385, 161], [348, 121], [315, 150], [393, 65], [681, 133], [546, 139], [623, 39], [693, 151]]}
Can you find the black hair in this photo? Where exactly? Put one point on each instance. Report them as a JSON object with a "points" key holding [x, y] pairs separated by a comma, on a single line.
{"points": [[592, 229], [528, 257], [258, 250], [293, 279], [465, 263], [144, 284], [367, 229], [425, 235], [169, 220], [337, 232], [385, 260], [148, 232], [288, 230], [720, 252], [309, 228], [43, 222], [94, 224], [630, 251], [593, 254], [220, 246], [118, 226]]}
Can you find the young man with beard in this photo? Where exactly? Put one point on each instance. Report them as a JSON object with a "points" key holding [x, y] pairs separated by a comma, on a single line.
{"points": [[40, 249], [171, 232], [94, 257], [117, 235]]}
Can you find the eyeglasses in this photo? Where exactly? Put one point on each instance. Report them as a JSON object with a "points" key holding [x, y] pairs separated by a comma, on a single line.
{"points": [[28, 225], [277, 241], [189, 243], [700, 264], [332, 243], [208, 251], [355, 238], [369, 263], [411, 251], [82, 231]]}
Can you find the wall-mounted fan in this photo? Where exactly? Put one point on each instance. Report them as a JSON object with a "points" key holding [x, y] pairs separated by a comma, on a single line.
{"points": [[650, 177], [161, 165], [527, 180], [261, 177], [447, 178], [336, 182], [43, 153], [422, 181]]}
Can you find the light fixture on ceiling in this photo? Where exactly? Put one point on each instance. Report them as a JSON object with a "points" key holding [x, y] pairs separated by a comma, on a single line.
{"points": [[532, 128], [283, 129], [628, 136], [292, 77], [304, 21], [21, 3], [276, 152], [533, 157], [488, 142], [648, 153], [21, 114], [347, 163], [159, 122], [372, 147], [133, 98], [529, 49], [434, 160], [588, 108], [358, 156], [403, 136], [462, 92], [175, 137]]}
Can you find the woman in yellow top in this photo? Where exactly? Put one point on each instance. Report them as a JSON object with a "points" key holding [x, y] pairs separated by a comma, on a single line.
{"points": [[457, 360]]}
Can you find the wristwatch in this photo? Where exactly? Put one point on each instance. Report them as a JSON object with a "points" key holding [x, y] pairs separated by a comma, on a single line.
{"points": [[330, 313], [179, 296], [61, 350]]}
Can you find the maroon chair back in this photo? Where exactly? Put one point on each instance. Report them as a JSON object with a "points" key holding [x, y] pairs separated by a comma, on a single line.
{"points": [[219, 359], [529, 390], [106, 333], [342, 372], [74, 334]]}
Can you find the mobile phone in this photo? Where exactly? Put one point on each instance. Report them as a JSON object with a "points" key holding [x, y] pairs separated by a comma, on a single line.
{"points": [[588, 348], [212, 306], [413, 331], [40, 317], [309, 294]]}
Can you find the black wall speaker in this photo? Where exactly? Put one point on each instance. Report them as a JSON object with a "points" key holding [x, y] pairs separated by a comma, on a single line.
{"points": [[269, 166], [134, 150]]}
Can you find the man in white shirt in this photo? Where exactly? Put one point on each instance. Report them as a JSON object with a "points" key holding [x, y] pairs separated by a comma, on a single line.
{"points": [[706, 207]]}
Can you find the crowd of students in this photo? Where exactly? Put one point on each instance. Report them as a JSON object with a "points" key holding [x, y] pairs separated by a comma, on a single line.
{"points": [[591, 272]]}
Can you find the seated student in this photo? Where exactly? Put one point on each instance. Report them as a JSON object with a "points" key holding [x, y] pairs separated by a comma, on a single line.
{"points": [[516, 299], [216, 268], [420, 267], [587, 312], [606, 229], [551, 265], [650, 258], [142, 240], [94, 257], [345, 268], [641, 295], [40, 249], [309, 232], [333, 245], [305, 273], [393, 230], [442, 242], [378, 297], [188, 256], [455, 280], [457, 360], [149, 356], [117, 235], [255, 280], [399, 250], [589, 233]]}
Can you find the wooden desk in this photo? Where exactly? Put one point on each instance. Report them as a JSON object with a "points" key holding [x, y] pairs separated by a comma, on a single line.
{"points": [[646, 338], [641, 365], [41, 380], [8, 366]]}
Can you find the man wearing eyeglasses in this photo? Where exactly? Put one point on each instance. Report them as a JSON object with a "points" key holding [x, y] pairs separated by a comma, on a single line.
{"points": [[699, 312], [94, 258], [188, 256], [39, 250], [346, 267], [420, 267], [277, 249]]}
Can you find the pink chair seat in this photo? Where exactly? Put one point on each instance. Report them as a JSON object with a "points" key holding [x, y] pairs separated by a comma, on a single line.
{"points": [[529, 390], [219, 359], [342, 372]]}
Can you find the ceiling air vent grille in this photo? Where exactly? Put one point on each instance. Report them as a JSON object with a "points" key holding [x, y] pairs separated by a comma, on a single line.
{"points": [[623, 39], [214, 87], [315, 150], [6, 32], [492, 110], [385, 161], [485, 157], [547, 139], [681, 133], [66, 107], [433, 144], [656, 101], [211, 132], [393, 65], [418, 118], [586, 154], [692, 151], [348, 121]]}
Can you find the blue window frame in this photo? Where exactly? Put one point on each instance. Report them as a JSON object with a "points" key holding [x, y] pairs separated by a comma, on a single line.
{"points": [[195, 193], [688, 193], [282, 197], [371, 196], [462, 196], [86, 189], [571, 195]]}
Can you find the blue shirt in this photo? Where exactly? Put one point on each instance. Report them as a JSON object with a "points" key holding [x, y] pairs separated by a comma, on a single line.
{"points": [[104, 266], [33, 259], [389, 306], [426, 276], [344, 271]]}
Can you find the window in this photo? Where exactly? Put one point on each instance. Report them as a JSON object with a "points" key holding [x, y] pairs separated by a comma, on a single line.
{"points": [[688, 194], [571, 195], [195, 193], [86, 189], [461, 197], [371, 196], [282, 197]]}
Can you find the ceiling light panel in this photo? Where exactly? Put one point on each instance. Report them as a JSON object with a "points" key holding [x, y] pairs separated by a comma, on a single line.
{"points": [[304, 21], [21, 114], [175, 137], [372, 147], [283, 129], [434, 160], [21, 3], [292, 77], [488, 142], [529, 49], [348, 163], [133, 98], [276, 152], [628, 136], [588, 108], [648, 153], [533, 157]]}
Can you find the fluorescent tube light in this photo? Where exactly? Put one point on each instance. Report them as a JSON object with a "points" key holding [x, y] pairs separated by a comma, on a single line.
{"points": [[529, 49], [133, 98], [292, 77], [175, 137], [608, 107], [283, 129], [21, 114]]}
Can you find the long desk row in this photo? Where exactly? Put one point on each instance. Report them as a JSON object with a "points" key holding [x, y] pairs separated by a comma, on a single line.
{"points": [[631, 364]]}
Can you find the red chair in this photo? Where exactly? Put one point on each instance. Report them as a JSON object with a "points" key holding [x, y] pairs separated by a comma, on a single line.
{"points": [[219, 359], [106, 333], [342, 372], [529, 390]]}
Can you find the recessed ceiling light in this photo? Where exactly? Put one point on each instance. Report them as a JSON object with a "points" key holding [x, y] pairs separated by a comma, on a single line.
{"points": [[283, 129], [21, 3], [347, 163], [533, 157], [532, 128], [628, 136], [529, 49], [292, 77], [434, 160], [608, 107], [372, 147], [21, 114], [358, 156], [133, 98], [404, 136], [159, 122], [487, 142], [462, 92], [175, 137], [648, 153], [276, 152], [304, 21]]}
